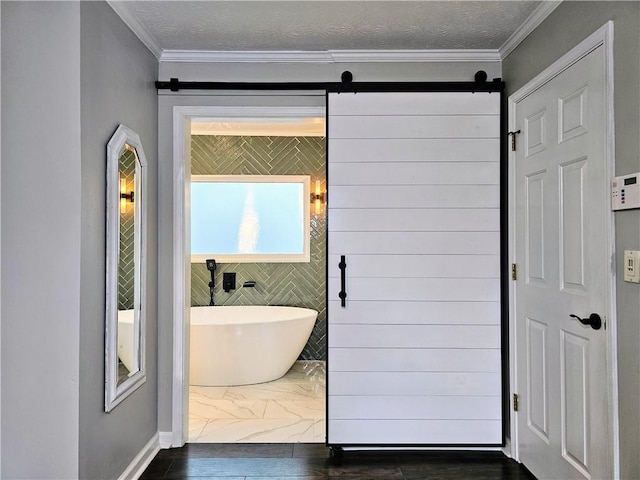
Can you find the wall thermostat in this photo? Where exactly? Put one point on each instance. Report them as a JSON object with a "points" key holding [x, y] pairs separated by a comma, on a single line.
{"points": [[625, 192]]}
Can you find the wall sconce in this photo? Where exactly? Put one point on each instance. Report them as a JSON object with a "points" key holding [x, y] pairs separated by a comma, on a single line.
{"points": [[318, 198], [124, 196]]}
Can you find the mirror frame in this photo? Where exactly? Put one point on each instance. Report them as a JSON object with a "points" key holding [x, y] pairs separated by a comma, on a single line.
{"points": [[114, 393]]}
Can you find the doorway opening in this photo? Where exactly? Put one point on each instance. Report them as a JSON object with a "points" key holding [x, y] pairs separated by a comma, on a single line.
{"points": [[267, 144]]}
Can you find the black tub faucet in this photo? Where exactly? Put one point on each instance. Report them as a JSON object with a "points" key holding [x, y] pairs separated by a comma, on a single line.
{"points": [[211, 266]]}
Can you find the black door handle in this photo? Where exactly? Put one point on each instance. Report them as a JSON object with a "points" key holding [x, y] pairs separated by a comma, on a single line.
{"points": [[343, 291], [594, 320]]}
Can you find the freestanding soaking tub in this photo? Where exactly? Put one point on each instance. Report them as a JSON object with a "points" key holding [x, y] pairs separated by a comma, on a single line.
{"points": [[241, 345], [126, 348]]}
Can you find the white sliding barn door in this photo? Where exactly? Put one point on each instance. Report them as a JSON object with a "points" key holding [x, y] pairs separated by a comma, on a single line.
{"points": [[414, 196]]}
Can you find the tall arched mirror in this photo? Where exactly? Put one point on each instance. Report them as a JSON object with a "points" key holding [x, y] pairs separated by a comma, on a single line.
{"points": [[126, 230]]}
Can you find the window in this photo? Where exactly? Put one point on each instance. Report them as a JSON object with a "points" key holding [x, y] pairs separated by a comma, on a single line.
{"points": [[250, 218]]}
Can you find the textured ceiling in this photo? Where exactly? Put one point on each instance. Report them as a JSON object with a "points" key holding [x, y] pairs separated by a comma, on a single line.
{"points": [[329, 25]]}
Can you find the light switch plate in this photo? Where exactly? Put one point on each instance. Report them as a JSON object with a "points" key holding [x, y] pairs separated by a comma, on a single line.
{"points": [[632, 266]]}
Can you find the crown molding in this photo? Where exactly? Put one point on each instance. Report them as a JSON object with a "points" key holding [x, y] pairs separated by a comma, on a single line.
{"points": [[135, 26], [414, 56], [254, 56], [329, 56], [529, 25]]}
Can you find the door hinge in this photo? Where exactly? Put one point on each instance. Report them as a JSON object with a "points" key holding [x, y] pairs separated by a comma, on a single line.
{"points": [[514, 271], [513, 139], [516, 402]]}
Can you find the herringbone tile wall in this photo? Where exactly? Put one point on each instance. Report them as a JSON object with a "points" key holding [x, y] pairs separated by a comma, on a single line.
{"points": [[126, 166], [297, 284]]}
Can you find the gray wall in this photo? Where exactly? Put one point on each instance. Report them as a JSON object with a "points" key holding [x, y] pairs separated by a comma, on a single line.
{"points": [[327, 72], [41, 239], [118, 75], [251, 73], [296, 284], [569, 24], [70, 73]]}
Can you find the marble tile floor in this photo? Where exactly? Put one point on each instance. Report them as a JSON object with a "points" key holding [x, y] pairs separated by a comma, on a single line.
{"points": [[288, 410]]}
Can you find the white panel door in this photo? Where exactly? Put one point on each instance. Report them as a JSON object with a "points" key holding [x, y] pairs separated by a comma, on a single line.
{"points": [[562, 209], [414, 195]]}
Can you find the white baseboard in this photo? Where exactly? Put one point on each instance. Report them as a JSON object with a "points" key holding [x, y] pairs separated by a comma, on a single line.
{"points": [[141, 461], [508, 452], [166, 439]]}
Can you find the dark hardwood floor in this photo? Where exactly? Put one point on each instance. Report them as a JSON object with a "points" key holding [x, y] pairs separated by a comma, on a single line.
{"points": [[313, 462]]}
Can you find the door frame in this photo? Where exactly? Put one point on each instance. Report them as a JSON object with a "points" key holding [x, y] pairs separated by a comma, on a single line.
{"points": [[182, 116], [603, 37]]}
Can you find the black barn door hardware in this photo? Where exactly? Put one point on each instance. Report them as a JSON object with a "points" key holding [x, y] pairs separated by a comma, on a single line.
{"points": [[513, 139], [347, 84], [343, 291]]}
